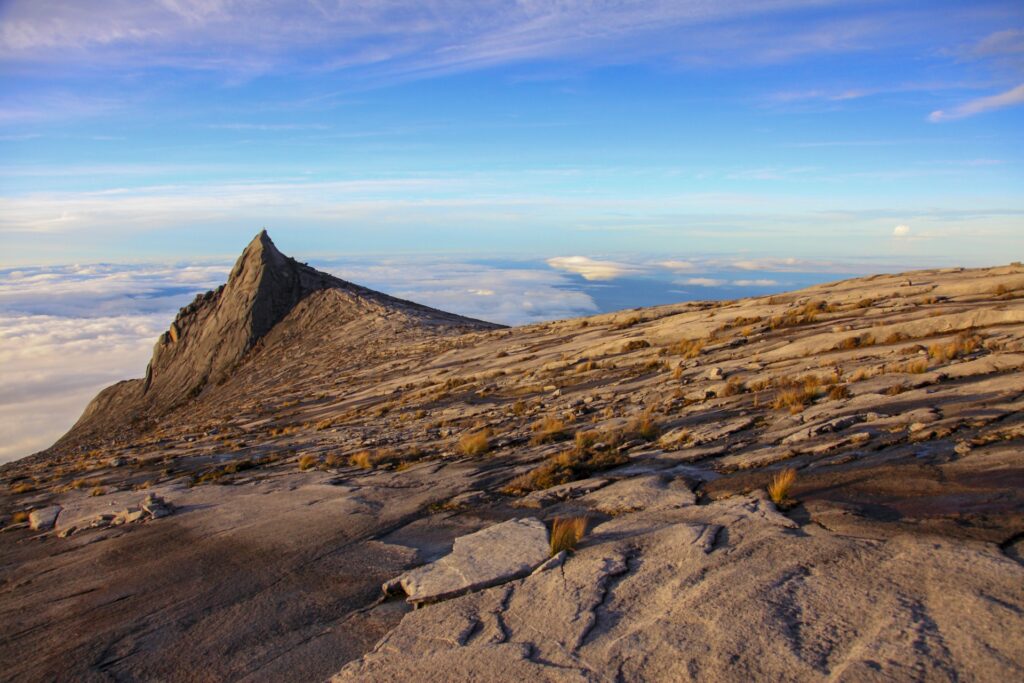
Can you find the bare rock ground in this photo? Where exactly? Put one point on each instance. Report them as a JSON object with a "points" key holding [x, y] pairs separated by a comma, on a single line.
{"points": [[359, 436]]}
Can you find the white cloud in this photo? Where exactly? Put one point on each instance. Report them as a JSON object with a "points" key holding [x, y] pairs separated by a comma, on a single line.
{"points": [[678, 266], [1011, 97], [769, 264], [901, 231], [592, 269], [763, 282], [703, 282]]}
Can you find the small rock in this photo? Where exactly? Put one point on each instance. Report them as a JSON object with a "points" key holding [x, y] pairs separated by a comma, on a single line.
{"points": [[64, 533], [43, 519], [630, 444], [962, 448], [714, 373]]}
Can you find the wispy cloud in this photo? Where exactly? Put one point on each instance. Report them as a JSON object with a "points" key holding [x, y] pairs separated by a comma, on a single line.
{"points": [[407, 38], [981, 105]]}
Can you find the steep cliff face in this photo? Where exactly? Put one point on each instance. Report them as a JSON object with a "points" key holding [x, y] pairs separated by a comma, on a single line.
{"points": [[213, 333]]}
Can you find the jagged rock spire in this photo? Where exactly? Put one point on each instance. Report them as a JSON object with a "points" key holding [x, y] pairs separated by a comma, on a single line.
{"points": [[212, 334]]}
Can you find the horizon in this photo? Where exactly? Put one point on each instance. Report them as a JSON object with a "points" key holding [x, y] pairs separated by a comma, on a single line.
{"points": [[511, 159]]}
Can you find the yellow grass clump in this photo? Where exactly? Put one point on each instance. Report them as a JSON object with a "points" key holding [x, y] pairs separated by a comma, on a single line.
{"points": [[307, 462], [548, 430], [964, 344], [475, 443], [780, 484], [566, 533]]}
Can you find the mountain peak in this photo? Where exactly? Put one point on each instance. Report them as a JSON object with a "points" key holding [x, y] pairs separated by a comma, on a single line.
{"points": [[213, 333]]}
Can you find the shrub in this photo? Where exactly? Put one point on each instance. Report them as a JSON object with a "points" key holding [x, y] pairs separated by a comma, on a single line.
{"points": [[780, 484], [795, 395], [687, 348], [635, 345], [566, 533], [19, 517], [362, 459], [565, 467], [23, 487], [307, 462], [627, 323], [857, 342], [642, 427], [838, 392], [475, 443], [97, 491], [962, 345], [548, 430]]}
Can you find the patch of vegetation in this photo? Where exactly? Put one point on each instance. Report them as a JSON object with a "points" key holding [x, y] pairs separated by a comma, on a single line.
{"points": [[308, 461], [779, 487], [796, 394], [548, 430], [566, 533], [839, 392], [687, 348], [964, 344], [856, 342], [635, 345], [594, 451], [475, 443]]}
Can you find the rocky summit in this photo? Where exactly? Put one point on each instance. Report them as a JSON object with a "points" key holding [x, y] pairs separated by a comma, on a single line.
{"points": [[317, 481]]}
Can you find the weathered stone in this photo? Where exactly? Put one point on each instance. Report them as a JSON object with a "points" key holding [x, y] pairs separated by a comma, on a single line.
{"points": [[573, 489], [43, 519], [640, 493], [491, 556]]}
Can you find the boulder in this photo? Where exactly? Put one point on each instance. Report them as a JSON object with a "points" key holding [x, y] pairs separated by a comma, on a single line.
{"points": [[43, 519], [488, 557]]}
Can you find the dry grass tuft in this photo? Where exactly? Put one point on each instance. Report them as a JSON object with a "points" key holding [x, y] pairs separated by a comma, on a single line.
{"points": [[796, 394], [963, 345], [858, 342], [635, 345], [475, 443], [687, 348], [643, 427], [578, 463], [566, 533], [838, 392], [307, 462], [779, 486], [19, 517], [548, 430]]}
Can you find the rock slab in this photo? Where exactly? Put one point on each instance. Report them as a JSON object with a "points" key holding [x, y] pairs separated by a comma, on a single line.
{"points": [[488, 557], [43, 519]]}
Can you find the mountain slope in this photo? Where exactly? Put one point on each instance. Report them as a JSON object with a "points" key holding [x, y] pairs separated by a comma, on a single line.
{"points": [[359, 437], [207, 342]]}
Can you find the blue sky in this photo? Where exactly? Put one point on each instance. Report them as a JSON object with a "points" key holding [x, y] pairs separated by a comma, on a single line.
{"points": [[133, 129], [514, 161]]}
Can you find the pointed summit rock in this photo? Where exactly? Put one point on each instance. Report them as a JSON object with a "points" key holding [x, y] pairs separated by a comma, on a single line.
{"points": [[213, 333]]}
